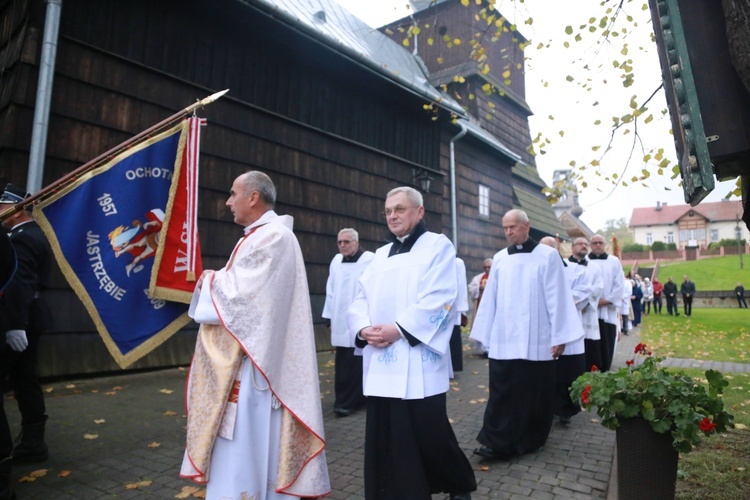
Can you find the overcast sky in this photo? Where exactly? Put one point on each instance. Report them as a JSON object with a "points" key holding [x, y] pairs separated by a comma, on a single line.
{"points": [[572, 108]]}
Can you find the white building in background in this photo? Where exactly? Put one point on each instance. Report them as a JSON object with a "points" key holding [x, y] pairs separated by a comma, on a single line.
{"points": [[688, 226]]}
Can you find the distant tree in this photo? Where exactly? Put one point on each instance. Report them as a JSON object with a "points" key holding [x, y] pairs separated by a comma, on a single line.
{"points": [[619, 228]]}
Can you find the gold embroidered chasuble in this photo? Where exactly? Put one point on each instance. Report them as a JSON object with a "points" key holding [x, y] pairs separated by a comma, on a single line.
{"points": [[263, 302]]}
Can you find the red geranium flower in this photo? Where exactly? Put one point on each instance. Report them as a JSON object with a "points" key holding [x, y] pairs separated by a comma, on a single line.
{"points": [[585, 394], [641, 349], [706, 425], [629, 362], [594, 368]]}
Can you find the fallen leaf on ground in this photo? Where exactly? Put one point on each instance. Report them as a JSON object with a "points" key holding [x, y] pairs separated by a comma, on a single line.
{"points": [[49, 389], [33, 476], [154, 445], [64, 473], [139, 484], [70, 386], [99, 421], [117, 388], [484, 468], [186, 491], [90, 436], [170, 413], [110, 393], [200, 494], [166, 391]]}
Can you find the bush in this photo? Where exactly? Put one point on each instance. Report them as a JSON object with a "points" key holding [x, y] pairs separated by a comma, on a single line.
{"points": [[634, 247], [731, 242], [658, 246], [671, 246]]}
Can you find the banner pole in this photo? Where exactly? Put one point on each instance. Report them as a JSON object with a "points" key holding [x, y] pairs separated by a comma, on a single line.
{"points": [[104, 157]]}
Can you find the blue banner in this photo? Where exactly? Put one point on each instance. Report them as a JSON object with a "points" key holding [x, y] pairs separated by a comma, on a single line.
{"points": [[105, 230]]}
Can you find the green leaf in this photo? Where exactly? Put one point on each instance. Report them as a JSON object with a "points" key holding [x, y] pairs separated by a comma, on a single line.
{"points": [[568, 30]]}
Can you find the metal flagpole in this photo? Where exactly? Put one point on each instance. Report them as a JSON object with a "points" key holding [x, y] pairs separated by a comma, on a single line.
{"points": [[104, 157]]}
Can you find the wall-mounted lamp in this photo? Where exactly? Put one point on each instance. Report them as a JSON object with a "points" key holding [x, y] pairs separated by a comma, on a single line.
{"points": [[422, 179]]}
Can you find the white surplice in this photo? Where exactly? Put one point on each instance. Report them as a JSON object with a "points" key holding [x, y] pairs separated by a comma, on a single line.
{"points": [[590, 314], [341, 288], [422, 305], [527, 306], [580, 289], [613, 279]]}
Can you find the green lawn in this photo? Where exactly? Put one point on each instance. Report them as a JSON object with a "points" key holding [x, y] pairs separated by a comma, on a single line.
{"points": [[717, 468], [711, 334], [717, 273]]}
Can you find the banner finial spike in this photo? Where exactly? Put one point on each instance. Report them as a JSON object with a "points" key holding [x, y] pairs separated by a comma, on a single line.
{"points": [[213, 97]]}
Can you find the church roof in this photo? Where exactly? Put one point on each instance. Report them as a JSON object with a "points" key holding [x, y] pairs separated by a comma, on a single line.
{"points": [[341, 30], [344, 32], [670, 214]]}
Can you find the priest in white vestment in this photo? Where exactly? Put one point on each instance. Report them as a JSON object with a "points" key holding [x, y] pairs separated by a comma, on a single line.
{"points": [[342, 285], [402, 319], [590, 313], [255, 426], [572, 363], [526, 317], [609, 303]]}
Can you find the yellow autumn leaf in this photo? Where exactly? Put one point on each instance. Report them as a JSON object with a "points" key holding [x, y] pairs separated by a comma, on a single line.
{"points": [[506, 73], [169, 413], [90, 436], [187, 491], [33, 476], [166, 391], [99, 421], [70, 386], [154, 445], [139, 484], [64, 473]]}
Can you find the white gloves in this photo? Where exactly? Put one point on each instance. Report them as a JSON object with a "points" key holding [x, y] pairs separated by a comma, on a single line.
{"points": [[17, 340]]}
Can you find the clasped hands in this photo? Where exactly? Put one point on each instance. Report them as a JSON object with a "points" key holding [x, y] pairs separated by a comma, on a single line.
{"points": [[380, 335]]}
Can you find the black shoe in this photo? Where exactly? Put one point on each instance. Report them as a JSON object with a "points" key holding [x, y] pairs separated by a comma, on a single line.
{"points": [[343, 412], [460, 496], [30, 446], [489, 453]]}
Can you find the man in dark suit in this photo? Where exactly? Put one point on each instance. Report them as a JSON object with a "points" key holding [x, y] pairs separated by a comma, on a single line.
{"points": [[7, 268], [23, 319]]}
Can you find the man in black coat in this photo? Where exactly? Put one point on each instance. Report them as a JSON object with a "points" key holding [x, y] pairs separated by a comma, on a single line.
{"points": [[687, 289], [670, 293], [23, 319], [7, 268]]}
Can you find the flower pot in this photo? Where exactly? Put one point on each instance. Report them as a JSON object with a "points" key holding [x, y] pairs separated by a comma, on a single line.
{"points": [[646, 461]]}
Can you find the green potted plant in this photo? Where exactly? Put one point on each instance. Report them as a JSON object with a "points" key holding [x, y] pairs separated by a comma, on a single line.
{"points": [[657, 413]]}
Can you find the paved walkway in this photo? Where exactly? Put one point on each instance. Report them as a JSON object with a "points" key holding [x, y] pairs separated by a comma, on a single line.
{"points": [[109, 434]]}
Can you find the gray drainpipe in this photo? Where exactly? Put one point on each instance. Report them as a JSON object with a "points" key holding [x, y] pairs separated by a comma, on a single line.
{"points": [[43, 96], [454, 216]]}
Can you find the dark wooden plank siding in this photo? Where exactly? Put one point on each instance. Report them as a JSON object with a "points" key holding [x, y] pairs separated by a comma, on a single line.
{"points": [[334, 137]]}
